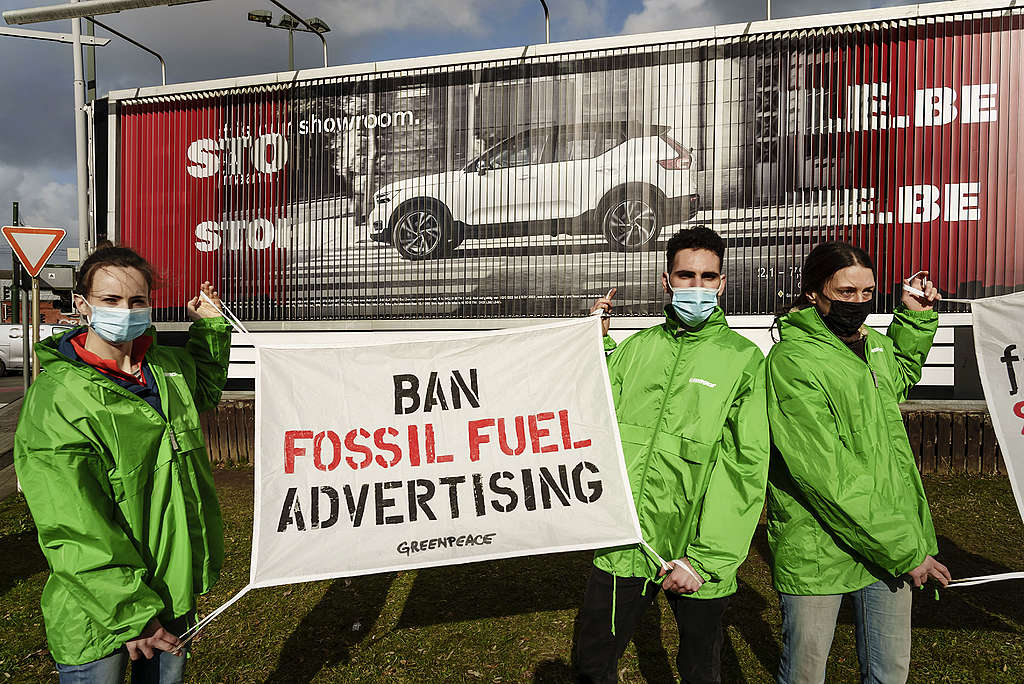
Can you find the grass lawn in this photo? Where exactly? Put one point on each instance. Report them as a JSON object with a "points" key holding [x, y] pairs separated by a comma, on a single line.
{"points": [[512, 621]]}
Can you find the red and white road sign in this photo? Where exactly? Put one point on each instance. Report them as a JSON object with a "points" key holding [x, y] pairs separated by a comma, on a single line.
{"points": [[33, 246]]}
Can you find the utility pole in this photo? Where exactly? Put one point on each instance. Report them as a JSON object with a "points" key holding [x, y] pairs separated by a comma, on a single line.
{"points": [[81, 153], [15, 274]]}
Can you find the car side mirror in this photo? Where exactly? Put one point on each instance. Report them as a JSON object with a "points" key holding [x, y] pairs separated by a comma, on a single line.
{"points": [[481, 168]]}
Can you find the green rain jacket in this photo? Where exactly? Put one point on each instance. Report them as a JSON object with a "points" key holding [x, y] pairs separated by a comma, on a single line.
{"points": [[691, 411], [845, 502], [122, 499]]}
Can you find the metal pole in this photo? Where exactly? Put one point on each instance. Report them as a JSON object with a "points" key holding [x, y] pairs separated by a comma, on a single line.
{"points": [[163, 66], [291, 50], [90, 64], [15, 276], [769, 10], [81, 155], [35, 327], [547, 22], [26, 345], [307, 25]]}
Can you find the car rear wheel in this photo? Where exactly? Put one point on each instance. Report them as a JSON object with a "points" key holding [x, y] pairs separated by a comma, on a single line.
{"points": [[422, 231], [631, 223]]}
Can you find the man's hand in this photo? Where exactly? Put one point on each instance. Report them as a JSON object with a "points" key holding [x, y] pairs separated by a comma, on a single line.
{"points": [[604, 304], [930, 568], [153, 638], [200, 308], [683, 579], [920, 282]]}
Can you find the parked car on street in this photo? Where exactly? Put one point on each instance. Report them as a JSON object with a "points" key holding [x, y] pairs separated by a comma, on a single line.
{"points": [[12, 345], [624, 180]]}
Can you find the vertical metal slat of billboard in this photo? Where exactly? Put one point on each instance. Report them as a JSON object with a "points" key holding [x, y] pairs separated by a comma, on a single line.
{"points": [[1016, 238], [996, 261]]}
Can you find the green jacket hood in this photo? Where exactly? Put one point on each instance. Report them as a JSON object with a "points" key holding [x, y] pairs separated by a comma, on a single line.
{"points": [[807, 323]]}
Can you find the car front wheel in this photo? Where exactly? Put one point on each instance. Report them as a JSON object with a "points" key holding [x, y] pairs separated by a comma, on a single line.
{"points": [[421, 232], [631, 224]]}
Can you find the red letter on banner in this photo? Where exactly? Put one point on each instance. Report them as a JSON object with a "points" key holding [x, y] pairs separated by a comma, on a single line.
{"points": [[476, 439], [291, 451]]}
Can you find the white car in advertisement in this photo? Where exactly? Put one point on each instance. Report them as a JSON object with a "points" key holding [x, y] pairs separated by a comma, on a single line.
{"points": [[623, 180]]}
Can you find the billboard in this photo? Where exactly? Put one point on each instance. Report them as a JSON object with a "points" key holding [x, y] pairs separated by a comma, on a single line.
{"points": [[530, 185]]}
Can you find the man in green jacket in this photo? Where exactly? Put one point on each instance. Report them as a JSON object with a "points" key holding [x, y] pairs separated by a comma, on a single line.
{"points": [[690, 403], [111, 458]]}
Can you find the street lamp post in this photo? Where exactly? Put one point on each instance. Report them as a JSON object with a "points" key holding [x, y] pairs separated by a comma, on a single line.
{"points": [[81, 153], [547, 22], [163, 65], [290, 22]]}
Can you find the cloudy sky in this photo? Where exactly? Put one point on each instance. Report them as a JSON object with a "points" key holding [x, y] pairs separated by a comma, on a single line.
{"points": [[214, 40]]}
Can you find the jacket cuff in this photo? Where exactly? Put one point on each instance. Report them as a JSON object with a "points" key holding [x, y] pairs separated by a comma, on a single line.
{"points": [[921, 316], [704, 574], [609, 343], [216, 323]]}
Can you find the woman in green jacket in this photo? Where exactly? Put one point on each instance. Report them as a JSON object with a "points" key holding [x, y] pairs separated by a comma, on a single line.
{"points": [[847, 513], [111, 459]]}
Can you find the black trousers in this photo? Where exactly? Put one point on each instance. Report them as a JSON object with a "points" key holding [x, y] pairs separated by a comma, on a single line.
{"points": [[598, 651]]}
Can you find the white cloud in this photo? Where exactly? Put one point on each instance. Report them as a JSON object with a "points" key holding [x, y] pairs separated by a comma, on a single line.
{"points": [[664, 15], [581, 18], [362, 17], [43, 200]]}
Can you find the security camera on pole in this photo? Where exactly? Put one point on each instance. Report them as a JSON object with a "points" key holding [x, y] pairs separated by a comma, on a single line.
{"points": [[33, 246]]}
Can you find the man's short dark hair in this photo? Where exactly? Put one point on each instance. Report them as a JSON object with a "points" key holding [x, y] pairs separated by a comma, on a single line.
{"points": [[695, 238]]}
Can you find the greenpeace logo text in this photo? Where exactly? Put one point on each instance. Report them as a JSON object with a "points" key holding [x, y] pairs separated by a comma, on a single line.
{"points": [[702, 381], [407, 548]]}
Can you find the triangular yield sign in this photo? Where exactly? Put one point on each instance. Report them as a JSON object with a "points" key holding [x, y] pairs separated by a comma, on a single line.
{"points": [[33, 246]]}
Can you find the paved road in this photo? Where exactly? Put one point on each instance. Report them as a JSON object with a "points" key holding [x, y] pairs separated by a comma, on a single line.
{"points": [[10, 387]]}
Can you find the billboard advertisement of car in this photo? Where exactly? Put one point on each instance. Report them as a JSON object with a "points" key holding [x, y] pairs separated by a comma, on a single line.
{"points": [[529, 186]]}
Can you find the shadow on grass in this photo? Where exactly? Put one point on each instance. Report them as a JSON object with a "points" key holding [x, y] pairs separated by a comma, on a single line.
{"points": [[997, 607], [22, 558], [343, 617], [555, 671], [468, 592], [746, 613]]}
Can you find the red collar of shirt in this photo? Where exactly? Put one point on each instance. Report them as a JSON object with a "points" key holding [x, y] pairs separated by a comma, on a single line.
{"points": [[140, 346]]}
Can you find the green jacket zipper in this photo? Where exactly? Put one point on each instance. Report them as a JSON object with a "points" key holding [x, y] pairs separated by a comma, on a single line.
{"points": [[657, 427]]}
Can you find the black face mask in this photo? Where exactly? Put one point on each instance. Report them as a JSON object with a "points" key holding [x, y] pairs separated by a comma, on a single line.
{"points": [[845, 318]]}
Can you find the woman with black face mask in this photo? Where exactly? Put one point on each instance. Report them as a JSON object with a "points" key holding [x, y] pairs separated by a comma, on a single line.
{"points": [[847, 513]]}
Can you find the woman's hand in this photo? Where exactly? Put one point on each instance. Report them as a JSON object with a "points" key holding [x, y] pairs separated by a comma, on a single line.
{"points": [[200, 308], [153, 638], [930, 568], [920, 282]]}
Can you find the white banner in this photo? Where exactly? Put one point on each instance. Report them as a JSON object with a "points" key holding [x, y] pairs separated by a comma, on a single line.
{"points": [[405, 455], [999, 344]]}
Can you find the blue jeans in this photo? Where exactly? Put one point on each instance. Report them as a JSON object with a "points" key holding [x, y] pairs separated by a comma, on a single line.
{"points": [[882, 615], [162, 668]]}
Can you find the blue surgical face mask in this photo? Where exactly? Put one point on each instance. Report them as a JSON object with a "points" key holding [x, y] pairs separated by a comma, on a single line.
{"points": [[117, 325], [693, 305]]}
